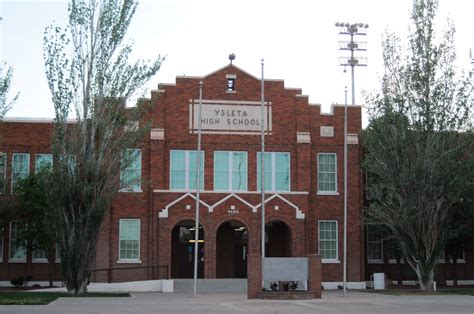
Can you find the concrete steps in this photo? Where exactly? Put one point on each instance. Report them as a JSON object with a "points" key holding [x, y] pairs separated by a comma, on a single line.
{"points": [[211, 285]]}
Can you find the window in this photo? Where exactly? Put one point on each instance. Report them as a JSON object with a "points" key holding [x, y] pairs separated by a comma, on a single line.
{"points": [[183, 170], [460, 258], [328, 240], [230, 171], [131, 175], [43, 161], [17, 249], [374, 244], [129, 234], [327, 173], [277, 171], [1, 243], [20, 167], [3, 173], [40, 256], [230, 84], [70, 162]]}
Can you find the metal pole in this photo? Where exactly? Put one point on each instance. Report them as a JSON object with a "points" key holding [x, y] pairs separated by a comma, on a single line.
{"points": [[198, 189], [352, 69], [262, 167], [344, 272]]}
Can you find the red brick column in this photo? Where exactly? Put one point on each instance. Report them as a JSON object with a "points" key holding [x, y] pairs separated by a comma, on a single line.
{"points": [[314, 276], [254, 275]]}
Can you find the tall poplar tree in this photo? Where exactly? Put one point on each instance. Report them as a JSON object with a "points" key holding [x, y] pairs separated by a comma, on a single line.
{"points": [[418, 145], [90, 78]]}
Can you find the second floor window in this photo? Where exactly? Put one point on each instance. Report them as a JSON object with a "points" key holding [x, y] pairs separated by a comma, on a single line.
{"points": [[277, 171], [131, 174], [230, 171], [3, 172], [43, 161], [327, 181], [20, 167], [183, 170]]}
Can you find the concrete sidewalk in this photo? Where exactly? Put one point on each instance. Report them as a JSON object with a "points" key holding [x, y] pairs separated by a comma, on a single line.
{"points": [[228, 302]]}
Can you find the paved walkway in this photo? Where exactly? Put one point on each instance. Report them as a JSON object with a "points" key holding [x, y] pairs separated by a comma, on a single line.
{"points": [[332, 302]]}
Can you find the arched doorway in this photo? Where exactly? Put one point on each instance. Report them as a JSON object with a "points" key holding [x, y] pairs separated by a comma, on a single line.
{"points": [[277, 239], [182, 250], [231, 253]]}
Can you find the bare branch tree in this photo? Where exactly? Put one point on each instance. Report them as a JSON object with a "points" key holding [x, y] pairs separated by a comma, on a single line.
{"points": [[90, 78]]}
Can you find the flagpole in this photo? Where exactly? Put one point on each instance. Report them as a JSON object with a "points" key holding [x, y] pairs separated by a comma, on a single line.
{"points": [[262, 167], [344, 267], [198, 189]]}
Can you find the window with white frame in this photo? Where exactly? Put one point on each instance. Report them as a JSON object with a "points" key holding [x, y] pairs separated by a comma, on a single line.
{"points": [[460, 258], [183, 170], [129, 234], [17, 248], [20, 167], [131, 174], [3, 173], [230, 171], [327, 235], [70, 162], [327, 173], [43, 161], [374, 244], [277, 171]]}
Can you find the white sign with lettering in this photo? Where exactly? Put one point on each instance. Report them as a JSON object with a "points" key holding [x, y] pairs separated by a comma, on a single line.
{"points": [[229, 117]]}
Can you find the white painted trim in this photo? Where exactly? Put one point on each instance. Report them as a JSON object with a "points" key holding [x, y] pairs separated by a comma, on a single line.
{"points": [[330, 261], [139, 238], [328, 193], [327, 260], [130, 191], [254, 209], [236, 192], [335, 174]]}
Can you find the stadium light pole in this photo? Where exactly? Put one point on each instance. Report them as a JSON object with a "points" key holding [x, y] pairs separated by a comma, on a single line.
{"points": [[353, 61]]}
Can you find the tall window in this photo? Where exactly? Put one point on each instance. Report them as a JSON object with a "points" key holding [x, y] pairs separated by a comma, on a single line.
{"points": [[374, 244], [328, 239], [129, 235], [17, 248], [39, 256], [327, 173], [3, 173], [230, 171], [183, 170], [20, 167], [131, 175], [43, 161], [277, 171]]}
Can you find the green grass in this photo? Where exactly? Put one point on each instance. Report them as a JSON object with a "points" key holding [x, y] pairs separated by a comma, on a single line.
{"points": [[415, 292], [35, 298]]}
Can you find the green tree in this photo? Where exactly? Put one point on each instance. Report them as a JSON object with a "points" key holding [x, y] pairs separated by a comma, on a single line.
{"points": [[417, 144], [90, 78], [5, 84], [31, 207]]}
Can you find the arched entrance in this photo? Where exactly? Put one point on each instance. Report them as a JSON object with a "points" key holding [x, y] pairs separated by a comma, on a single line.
{"points": [[231, 253], [277, 239], [182, 250]]}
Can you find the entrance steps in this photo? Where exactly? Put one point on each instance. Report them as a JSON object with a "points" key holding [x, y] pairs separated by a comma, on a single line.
{"points": [[211, 285]]}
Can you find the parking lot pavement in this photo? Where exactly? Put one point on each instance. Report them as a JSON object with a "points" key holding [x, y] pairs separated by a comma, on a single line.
{"points": [[332, 302]]}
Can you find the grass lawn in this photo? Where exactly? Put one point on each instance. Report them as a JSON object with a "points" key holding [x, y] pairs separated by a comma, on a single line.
{"points": [[31, 298], [460, 291]]}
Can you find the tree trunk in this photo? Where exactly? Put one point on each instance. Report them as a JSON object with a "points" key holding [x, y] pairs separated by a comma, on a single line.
{"points": [[455, 265], [400, 273], [51, 259], [425, 274]]}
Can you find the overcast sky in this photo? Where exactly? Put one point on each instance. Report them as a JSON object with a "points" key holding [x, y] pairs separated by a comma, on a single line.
{"points": [[297, 39]]}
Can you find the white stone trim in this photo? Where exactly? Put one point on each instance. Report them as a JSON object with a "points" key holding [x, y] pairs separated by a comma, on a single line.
{"points": [[298, 213], [157, 134], [303, 138], [236, 192], [352, 139], [164, 212], [254, 209], [326, 131]]}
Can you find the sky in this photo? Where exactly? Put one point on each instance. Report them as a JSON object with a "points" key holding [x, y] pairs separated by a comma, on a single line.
{"points": [[297, 39]]}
